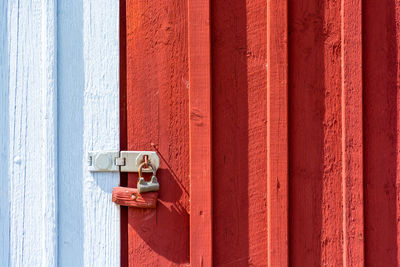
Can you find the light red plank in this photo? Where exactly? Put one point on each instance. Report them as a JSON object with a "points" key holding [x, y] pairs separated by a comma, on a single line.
{"points": [[277, 128], [352, 134], [200, 133], [157, 112]]}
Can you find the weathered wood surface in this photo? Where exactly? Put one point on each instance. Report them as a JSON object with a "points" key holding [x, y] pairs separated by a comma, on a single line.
{"points": [[157, 112], [305, 129], [88, 120], [381, 131], [239, 114], [200, 133], [59, 99], [4, 137], [277, 133], [29, 173]]}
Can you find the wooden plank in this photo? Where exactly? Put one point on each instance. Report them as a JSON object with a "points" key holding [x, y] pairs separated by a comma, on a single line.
{"points": [[239, 132], [88, 53], [200, 133], [306, 111], [101, 130], [157, 112], [380, 49], [352, 134], [316, 214], [32, 139], [4, 136], [70, 142], [277, 128]]}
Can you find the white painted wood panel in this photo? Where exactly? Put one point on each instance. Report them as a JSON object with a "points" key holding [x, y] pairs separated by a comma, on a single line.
{"points": [[101, 130], [59, 98], [4, 184], [30, 134]]}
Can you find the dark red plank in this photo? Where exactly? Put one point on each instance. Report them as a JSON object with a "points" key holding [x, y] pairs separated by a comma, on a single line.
{"points": [[239, 114]]}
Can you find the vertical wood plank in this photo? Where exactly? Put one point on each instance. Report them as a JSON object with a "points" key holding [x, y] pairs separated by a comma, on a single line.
{"points": [[101, 217], [239, 132], [49, 132], [380, 40], [277, 129], [70, 132], [316, 212], [157, 112], [352, 134], [200, 133], [88, 112], [32, 170], [4, 137]]}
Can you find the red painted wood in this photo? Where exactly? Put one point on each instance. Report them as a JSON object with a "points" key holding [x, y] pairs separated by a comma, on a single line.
{"points": [[277, 123], [381, 81], [130, 197], [239, 83], [352, 134], [277, 132], [315, 130], [157, 112], [200, 134]]}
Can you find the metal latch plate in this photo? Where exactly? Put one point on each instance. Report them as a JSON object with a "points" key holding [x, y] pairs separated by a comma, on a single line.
{"points": [[124, 161]]}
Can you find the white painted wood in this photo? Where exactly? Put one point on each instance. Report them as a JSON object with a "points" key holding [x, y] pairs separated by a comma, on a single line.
{"points": [[88, 69], [101, 130], [32, 135], [59, 99], [4, 184]]}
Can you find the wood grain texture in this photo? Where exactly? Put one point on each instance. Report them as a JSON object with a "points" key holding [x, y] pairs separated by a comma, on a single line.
{"points": [[88, 119], [51, 66], [32, 134], [70, 132], [130, 197], [4, 137], [200, 133], [315, 143], [311, 89], [157, 112], [239, 132], [277, 129], [101, 225], [352, 134], [380, 46]]}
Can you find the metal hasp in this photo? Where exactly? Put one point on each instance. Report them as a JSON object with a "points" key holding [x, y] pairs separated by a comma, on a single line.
{"points": [[122, 161]]}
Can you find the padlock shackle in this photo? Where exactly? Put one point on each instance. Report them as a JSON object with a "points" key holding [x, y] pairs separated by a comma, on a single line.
{"points": [[149, 165]]}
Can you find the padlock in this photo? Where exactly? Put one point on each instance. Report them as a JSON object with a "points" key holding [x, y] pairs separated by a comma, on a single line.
{"points": [[144, 186]]}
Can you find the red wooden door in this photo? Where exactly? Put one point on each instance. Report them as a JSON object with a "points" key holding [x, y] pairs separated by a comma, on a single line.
{"points": [[277, 127]]}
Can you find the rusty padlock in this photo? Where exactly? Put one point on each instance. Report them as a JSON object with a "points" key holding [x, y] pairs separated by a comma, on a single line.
{"points": [[144, 186], [144, 196]]}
